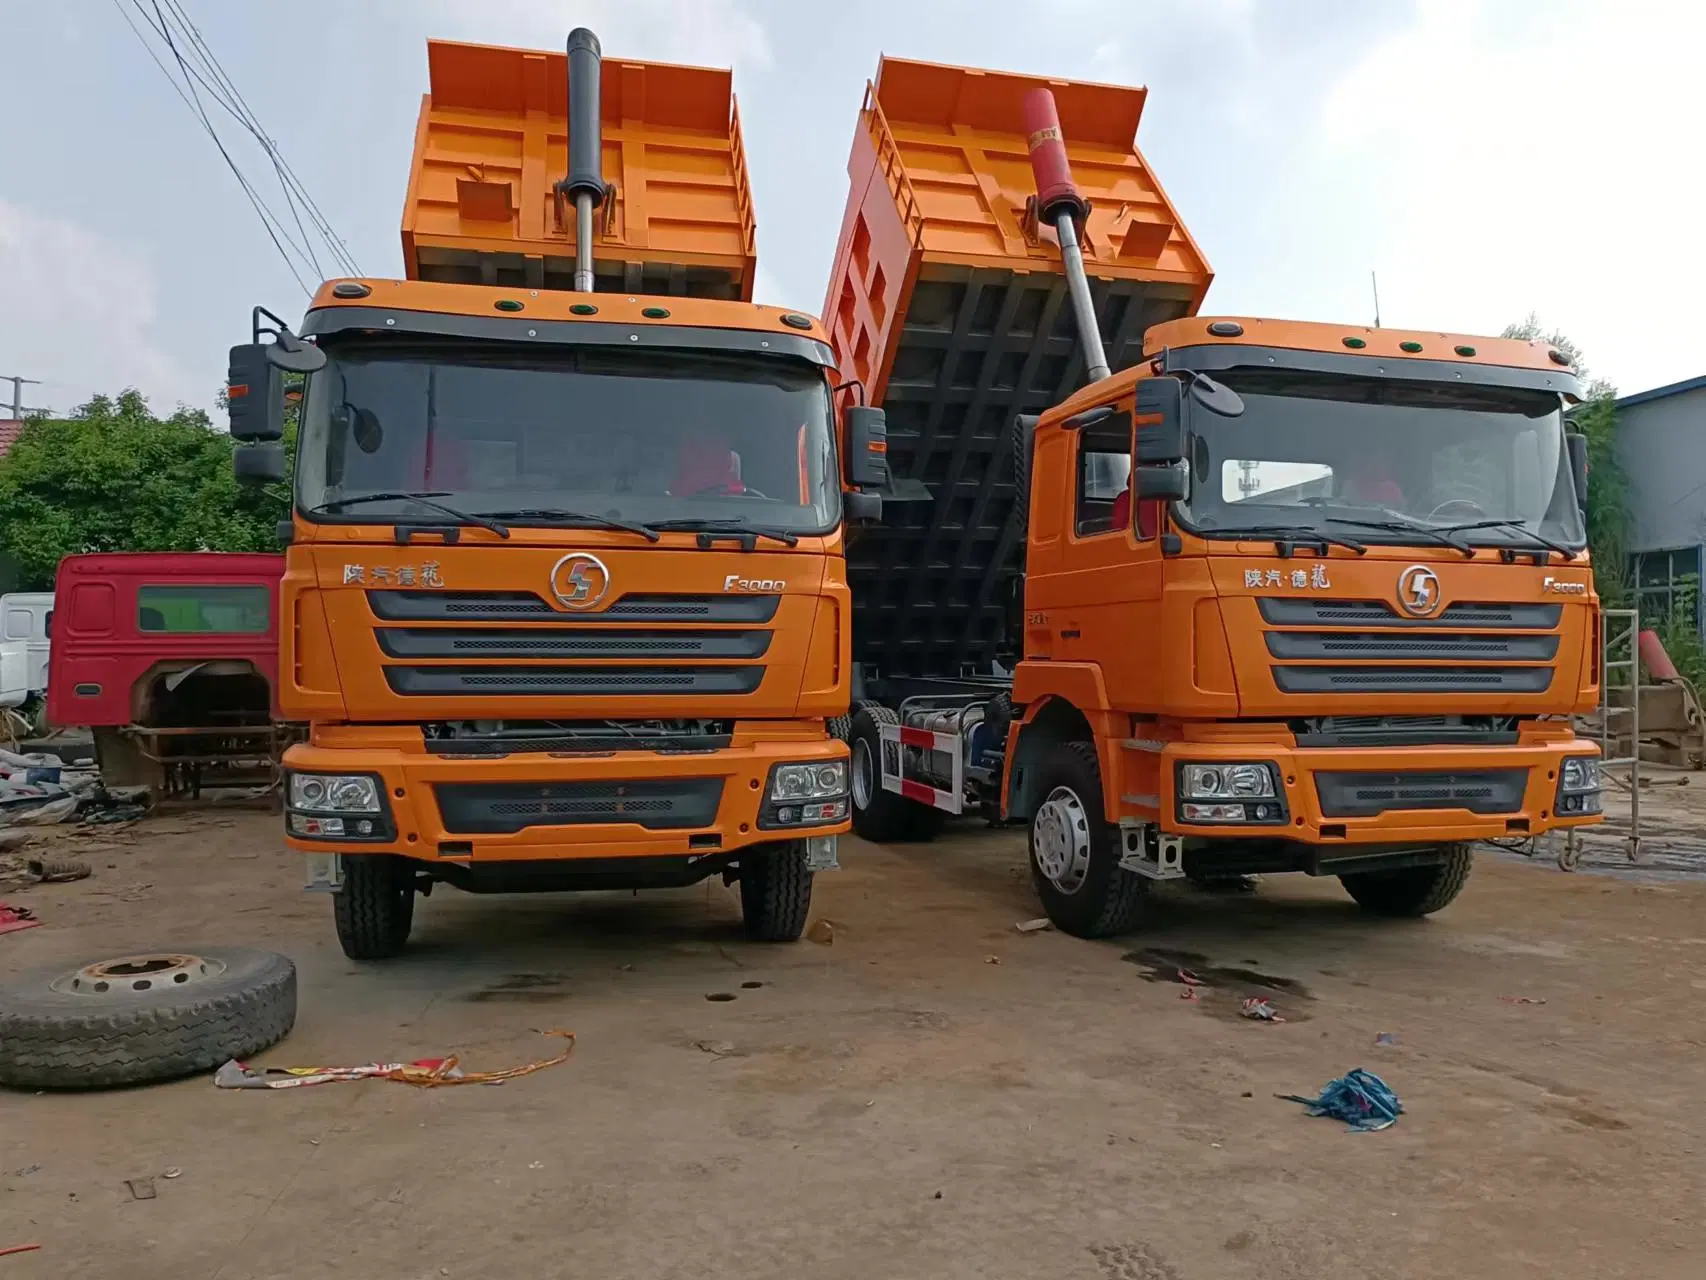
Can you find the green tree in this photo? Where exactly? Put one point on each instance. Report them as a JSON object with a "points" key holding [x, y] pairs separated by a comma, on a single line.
{"points": [[113, 477], [1608, 487]]}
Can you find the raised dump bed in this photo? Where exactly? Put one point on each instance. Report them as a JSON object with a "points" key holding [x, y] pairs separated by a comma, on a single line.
{"points": [[947, 302], [492, 144]]}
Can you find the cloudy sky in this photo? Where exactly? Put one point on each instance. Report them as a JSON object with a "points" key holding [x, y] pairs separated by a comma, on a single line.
{"points": [[1486, 158]]}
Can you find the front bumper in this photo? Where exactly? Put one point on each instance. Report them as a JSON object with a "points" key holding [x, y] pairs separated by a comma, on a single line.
{"points": [[1434, 791], [725, 786]]}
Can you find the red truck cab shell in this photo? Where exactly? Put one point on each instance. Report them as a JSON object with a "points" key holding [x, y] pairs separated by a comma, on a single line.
{"points": [[100, 651]]}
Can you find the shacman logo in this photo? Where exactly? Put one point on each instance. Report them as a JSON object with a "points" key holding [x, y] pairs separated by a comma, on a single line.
{"points": [[734, 582], [1418, 591], [580, 581]]}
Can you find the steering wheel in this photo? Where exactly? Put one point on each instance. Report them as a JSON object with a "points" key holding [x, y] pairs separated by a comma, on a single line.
{"points": [[1473, 508], [720, 492]]}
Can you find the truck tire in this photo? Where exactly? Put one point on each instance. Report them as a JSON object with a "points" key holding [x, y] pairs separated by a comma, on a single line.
{"points": [[775, 891], [1075, 851], [881, 816], [375, 909], [1410, 892], [139, 1018], [841, 728]]}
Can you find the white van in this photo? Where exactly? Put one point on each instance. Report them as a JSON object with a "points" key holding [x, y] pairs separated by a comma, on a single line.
{"points": [[28, 616]]}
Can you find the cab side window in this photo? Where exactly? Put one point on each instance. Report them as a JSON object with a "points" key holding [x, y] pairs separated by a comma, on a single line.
{"points": [[1104, 477]]}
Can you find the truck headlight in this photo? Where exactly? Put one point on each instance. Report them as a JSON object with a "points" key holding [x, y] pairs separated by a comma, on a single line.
{"points": [[821, 780], [1226, 782], [1579, 782], [1241, 792], [334, 793], [1580, 773], [805, 795]]}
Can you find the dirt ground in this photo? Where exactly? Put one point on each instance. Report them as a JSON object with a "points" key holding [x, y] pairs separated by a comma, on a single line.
{"points": [[931, 1095]]}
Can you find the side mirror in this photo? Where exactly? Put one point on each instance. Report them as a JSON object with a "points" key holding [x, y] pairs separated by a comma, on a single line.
{"points": [[293, 355], [1217, 399], [258, 463], [863, 508], [1160, 421], [254, 393], [1578, 447], [867, 447], [1168, 483]]}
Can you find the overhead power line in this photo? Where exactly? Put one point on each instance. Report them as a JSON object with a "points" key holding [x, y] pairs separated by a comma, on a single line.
{"points": [[199, 79]]}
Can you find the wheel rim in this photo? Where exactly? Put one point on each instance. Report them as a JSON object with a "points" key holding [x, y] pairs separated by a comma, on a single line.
{"points": [[127, 976], [862, 775], [1060, 840]]}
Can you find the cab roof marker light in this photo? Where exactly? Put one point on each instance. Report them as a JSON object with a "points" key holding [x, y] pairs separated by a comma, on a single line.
{"points": [[1464, 351], [1411, 347], [1356, 344]]}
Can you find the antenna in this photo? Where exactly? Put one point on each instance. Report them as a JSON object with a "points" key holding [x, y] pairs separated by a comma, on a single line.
{"points": [[1374, 282]]}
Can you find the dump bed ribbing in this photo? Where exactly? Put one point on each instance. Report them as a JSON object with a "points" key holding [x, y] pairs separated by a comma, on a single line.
{"points": [[947, 304]]}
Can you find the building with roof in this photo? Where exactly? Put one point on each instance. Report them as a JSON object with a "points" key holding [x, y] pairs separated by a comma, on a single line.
{"points": [[1661, 442], [9, 429]]}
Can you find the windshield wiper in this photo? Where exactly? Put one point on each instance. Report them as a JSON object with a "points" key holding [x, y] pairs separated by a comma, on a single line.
{"points": [[422, 498], [1520, 527], [1287, 535], [710, 531], [560, 515], [1428, 531]]}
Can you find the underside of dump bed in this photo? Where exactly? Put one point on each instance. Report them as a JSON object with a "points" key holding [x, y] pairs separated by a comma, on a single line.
{"points": [[977, 348], [947, 304]]}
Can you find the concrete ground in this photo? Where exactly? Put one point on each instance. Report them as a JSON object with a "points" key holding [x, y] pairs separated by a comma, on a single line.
{"points": [[932, 1094]]}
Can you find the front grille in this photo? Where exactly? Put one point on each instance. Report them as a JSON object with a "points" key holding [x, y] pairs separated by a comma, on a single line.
{"points": [[635, 682], [1412, 679], [501, 808], [590, 737], [1399, 646], [1405, 731], [505, 606], [568, 642], [1366, 795], [1287, 611]]}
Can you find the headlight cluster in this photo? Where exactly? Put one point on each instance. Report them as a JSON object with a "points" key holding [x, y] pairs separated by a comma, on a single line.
{"points": [[337, 806], [1242, 792], [806, 794], [1579, 785]]}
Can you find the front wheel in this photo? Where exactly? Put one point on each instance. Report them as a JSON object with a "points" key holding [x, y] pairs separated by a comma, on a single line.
{"points": [[775, 892], [1412, 891], [375, 909], [1075, 850]]}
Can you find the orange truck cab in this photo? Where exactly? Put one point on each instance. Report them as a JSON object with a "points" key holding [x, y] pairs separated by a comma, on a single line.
{"points": [[1262, 596], [564, 603]]}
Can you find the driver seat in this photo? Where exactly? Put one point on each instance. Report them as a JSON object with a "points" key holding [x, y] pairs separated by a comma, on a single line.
{"points": [[706, 465]]}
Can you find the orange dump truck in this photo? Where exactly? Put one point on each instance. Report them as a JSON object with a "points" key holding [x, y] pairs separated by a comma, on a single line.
{"points": [[1191, 597], [565, 602]]}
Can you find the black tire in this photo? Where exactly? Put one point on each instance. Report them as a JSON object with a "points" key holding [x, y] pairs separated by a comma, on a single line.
{"points": [[1092, 896], [375, 909], [1410, 892], [60, 1030], [883, 817], [841, 728], [775, 891]]}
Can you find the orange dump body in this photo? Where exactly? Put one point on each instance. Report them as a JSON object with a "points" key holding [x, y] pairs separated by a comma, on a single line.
{"points": [[948, 303], [492, 143]]}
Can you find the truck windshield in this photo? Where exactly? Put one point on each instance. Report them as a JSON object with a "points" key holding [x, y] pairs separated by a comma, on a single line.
{"points": [[584, 436], [1374, 458]]}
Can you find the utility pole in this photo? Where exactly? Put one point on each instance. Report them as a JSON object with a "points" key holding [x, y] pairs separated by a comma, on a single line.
{"points": [[1374, 280], [18, 385]]}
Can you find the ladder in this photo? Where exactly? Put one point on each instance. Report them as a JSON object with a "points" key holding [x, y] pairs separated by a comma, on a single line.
{"points": [[1620, 656]]}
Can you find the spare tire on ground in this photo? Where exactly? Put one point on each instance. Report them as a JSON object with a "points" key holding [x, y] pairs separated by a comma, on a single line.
{"points": [[148, 1016]]}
